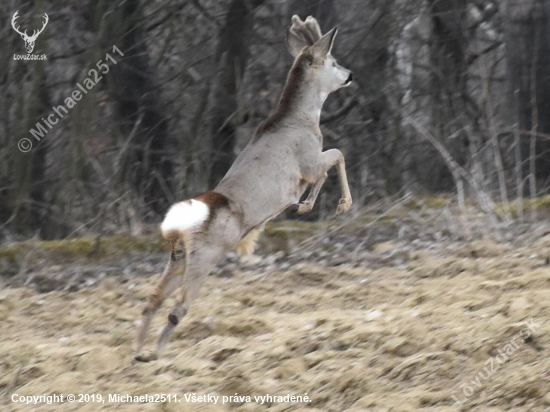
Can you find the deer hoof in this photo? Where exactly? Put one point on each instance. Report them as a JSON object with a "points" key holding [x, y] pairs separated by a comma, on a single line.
{"points": [[303, 208], [343, 206], [300, 208], [294, 208], [146, 357]]}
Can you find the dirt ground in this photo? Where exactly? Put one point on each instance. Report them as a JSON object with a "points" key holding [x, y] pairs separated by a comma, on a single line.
{"points": [[373, 320]]}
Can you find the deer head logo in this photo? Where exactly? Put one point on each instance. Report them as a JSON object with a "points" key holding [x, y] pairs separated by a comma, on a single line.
{"points": [[29, 40]]}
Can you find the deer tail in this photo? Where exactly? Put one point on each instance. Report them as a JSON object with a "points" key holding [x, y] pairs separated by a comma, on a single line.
{"points": [[184, 217]]}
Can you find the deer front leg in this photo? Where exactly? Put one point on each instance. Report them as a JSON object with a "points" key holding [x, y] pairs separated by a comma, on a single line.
{"points": [[334, 157], [307, 205]]}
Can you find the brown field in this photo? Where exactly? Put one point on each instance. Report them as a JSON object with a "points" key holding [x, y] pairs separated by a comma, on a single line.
{"points": [[387, 314]]}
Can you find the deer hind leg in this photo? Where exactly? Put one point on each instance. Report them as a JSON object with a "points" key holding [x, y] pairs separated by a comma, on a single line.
{"points": [[171, 279], [247, 244], [199, 264]]}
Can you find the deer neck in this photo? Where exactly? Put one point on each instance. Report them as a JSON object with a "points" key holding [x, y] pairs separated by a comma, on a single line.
{"points": [[300, 104], [306, 104]]}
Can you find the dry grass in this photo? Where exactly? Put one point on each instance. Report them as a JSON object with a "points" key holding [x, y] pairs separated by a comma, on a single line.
{"points": [[393, 337]]}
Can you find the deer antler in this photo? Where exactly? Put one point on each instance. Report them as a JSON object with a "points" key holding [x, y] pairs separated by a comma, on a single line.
{"points": [[37, 32], [15, 16], [308, 30]]}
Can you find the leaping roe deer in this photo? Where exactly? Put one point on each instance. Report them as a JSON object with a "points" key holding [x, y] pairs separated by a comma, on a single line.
{"points": [[271, 174]]}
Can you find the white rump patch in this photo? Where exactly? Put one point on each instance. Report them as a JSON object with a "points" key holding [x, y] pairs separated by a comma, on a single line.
{"points": [[185, 215]]}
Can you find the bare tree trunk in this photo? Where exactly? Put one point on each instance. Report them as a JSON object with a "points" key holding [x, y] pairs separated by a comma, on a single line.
{"points": [[232, 54], [448, 46], [528, 64], [145, 165], [373, 77], [518, 171], [30, 211], [494, 141], [534, 127]]}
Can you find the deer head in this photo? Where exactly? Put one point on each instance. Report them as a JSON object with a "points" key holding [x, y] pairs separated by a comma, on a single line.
{"points": [[304, 39], [29, 40]]}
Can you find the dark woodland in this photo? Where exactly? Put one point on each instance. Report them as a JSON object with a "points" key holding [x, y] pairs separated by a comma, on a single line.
{"points": [[429, 294], [450, 97]]}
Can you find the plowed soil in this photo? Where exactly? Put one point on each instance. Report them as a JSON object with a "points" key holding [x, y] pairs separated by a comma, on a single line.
{"points": [[372, 323]]}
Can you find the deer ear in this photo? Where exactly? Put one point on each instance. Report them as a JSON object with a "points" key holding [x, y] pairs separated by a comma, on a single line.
{"points": [[323, 46], [294, 42]]}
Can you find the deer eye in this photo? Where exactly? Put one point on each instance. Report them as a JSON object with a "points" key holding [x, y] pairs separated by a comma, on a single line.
{"points": [[333, 64]]}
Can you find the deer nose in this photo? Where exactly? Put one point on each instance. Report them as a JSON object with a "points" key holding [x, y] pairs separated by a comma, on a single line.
{"points": [[350, 77]]}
